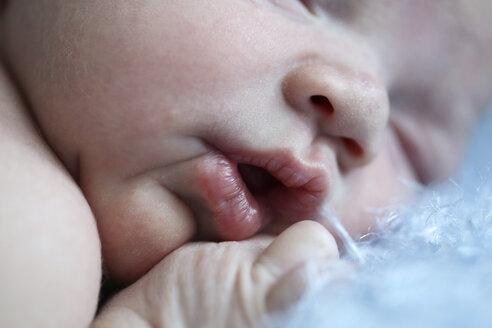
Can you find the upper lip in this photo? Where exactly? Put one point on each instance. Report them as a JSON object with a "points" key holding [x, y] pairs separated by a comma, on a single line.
{"points": [[293, 175]]}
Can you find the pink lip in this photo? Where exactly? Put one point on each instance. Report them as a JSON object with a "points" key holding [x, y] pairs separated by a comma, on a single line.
{"points": [[238, 214]]}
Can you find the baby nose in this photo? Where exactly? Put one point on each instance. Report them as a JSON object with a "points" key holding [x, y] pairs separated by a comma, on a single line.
{"points": [[351, 107]]}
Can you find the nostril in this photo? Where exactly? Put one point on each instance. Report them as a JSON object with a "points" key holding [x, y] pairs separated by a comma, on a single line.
{"points": [[353, 147], [322, 103]]}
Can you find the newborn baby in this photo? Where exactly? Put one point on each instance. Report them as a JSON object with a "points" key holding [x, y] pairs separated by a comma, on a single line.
{"points": [[184, 128]]}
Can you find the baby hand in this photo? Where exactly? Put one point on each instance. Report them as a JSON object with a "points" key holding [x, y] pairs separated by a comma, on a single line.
{"points": [[228, 284]]}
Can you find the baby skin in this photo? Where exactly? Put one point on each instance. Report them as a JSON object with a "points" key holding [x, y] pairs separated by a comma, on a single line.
{"points": [[192, 144]]}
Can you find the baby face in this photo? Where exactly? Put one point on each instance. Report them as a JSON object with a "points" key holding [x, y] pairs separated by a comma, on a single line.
{"points": [[216, 119]]}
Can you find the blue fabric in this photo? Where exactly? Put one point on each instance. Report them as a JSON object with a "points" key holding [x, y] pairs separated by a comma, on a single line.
{"points": [[430, 266]]}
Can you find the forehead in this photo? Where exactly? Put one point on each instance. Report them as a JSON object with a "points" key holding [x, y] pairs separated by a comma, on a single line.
{"points": [[352, 12]]}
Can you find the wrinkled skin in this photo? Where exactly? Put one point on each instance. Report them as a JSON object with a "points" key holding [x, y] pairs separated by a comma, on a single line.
{"points": [[233, 284], [151, 105]]}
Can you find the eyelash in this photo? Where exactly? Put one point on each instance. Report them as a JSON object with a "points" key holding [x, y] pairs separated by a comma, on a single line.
{"points": [[308, 4], [296, 7]]}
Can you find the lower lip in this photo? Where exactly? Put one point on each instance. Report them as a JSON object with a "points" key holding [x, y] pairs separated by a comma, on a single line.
{"points": [[236, 213]]}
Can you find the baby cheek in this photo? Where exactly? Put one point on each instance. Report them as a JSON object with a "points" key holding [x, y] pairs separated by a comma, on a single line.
{"points": [[139, 224]]}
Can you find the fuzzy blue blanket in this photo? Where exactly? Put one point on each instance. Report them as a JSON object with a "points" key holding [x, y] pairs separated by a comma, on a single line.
{"points": [[428, 266]]}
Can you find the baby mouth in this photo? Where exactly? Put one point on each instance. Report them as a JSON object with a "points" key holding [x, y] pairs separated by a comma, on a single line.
{"points": [[244, 193]]}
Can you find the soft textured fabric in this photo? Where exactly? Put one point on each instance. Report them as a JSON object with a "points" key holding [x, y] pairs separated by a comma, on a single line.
{"points": [[430, 265]]}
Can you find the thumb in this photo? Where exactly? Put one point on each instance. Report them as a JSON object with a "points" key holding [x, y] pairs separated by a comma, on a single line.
{"points": [[300, 242], [288, 260]]}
